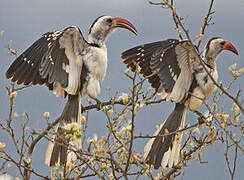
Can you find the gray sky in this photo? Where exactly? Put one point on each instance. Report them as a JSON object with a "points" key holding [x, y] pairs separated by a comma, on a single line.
{"points": [[25, 21]]}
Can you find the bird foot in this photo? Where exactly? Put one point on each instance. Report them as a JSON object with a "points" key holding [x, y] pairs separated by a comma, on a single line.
{"points": [[98, 103], [201, 119]]}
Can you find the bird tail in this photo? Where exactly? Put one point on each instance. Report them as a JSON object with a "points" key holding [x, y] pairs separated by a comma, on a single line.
{"points": [[65, 139], [164, 150]]}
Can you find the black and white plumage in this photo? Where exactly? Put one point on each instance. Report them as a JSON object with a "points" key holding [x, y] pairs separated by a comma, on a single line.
{"points": [[173, 68], [68, 65]]}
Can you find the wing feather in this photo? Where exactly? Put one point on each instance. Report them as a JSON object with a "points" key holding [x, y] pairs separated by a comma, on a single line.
{"points": [[54, 58], [169, 66]]}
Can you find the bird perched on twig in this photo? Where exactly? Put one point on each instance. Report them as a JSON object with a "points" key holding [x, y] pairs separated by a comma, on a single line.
{"points": [[68, 65], [175, 70]]}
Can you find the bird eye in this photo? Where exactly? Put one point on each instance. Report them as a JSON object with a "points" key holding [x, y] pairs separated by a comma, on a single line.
{"points": [[109, 20], [222, 43]]}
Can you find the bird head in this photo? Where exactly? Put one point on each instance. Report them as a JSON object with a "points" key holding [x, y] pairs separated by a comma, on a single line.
{"points": [[215, 46], [104, 25]]}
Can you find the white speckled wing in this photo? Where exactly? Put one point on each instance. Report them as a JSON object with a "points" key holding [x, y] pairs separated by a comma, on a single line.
{"points": [[55, 60], [169, 66]]}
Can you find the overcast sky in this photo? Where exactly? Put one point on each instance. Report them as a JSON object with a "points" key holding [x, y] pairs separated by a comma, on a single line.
{"points": [[24, 21]]}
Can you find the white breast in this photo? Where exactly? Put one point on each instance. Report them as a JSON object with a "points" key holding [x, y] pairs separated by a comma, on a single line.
{"points": [[96, 61], [204, 91], [207, 86]]}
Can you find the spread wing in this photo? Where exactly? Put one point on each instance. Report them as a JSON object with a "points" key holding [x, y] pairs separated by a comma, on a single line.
{"points": [[55, 59], [169, 66]]}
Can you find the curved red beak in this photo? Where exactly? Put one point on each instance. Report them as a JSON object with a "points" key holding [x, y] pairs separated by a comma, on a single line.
{"points": [[230, 47], [123, 23]]}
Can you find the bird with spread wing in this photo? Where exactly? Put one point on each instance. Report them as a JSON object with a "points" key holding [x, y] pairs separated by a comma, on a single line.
{"points": [[174, 69], [69, 66]]}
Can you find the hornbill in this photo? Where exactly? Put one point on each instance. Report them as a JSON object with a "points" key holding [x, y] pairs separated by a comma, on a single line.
{"points": [[174, 69], [68, 65]]}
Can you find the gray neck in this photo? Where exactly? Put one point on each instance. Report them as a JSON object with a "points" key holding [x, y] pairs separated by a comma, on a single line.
{"points": [[97, 37], [210, 62], [210, 57]]}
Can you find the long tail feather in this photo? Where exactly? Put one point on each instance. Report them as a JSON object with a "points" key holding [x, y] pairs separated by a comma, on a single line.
{"points": [[164, 150], [58, 149]]}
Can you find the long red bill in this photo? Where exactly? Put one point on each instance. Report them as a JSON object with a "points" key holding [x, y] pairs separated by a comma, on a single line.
{"points": [[122, 23], [230, 47]]}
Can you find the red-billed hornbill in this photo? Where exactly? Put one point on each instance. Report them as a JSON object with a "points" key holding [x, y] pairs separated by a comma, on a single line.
{"points": [[173, 68], [68, 65]]}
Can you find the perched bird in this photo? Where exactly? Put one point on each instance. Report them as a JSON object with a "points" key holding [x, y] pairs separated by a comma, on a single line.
{"points": [[68, 65], [173, 68]]}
